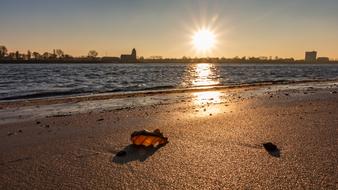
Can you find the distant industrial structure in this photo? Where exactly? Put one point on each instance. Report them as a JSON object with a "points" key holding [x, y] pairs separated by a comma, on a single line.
{"points": [[129, 58], [323, 59], [310, 56]]}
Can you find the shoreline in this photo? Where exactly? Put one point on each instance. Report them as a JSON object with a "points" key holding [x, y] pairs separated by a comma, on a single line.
{"points": [[215, 141]]}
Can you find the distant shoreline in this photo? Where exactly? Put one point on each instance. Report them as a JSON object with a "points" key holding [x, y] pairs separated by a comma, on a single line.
{"points": [[158, 62]]}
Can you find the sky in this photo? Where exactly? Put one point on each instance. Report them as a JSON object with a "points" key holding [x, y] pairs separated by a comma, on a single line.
{"points": [[284, 28]]}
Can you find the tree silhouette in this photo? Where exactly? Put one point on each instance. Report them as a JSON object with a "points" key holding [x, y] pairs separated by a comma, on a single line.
{"points": [[29, 54], [36, 55], [92, 54], [47, 55], [59, 53], [17, 55], [3, 51]]}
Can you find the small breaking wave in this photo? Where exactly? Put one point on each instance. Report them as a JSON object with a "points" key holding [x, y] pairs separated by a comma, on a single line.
{"points": [[154, 90]]}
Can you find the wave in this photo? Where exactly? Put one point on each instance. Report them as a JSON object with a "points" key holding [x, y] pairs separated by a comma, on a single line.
{"points": [[43, 94], [121, 92]]}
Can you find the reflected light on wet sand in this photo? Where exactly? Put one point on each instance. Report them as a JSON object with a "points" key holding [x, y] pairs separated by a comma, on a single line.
{"points": [[207, 103], [201, 98]]}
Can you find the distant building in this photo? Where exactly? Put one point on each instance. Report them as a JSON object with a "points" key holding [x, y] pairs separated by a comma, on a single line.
{"points": [[323, 59], [129, 58], [310, 56]]}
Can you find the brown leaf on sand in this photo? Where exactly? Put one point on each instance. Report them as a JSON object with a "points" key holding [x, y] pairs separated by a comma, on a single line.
{"points": [[147, 138]]}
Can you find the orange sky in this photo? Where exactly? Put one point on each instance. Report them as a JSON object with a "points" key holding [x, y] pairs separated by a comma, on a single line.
{"points": [[157, 28]]}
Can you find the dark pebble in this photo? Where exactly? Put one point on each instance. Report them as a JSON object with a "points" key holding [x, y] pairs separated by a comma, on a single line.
{"points": [[10, 134], [19, 131], [270, 147], [100, 119], [47, 126], [121, 153], [38, 122], [334, 92]]}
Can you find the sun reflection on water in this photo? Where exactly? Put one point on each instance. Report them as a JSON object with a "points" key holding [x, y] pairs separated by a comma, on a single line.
{"points": [[205, 75]]}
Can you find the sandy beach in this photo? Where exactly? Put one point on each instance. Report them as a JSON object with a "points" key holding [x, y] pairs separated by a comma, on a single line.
{"points": [[215, 140]]}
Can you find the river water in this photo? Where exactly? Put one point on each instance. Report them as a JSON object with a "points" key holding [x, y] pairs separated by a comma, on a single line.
{"points": [[21, 81]]}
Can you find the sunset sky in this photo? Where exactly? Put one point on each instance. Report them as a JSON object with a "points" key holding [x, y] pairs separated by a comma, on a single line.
{"points": [[284, 28]]}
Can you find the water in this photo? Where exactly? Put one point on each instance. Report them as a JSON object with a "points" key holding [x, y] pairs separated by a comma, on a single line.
{"points": [[44, 80]]}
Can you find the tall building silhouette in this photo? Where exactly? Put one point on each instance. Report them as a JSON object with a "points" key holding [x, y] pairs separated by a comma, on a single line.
{"points": [[310, 56], [129, 58]]}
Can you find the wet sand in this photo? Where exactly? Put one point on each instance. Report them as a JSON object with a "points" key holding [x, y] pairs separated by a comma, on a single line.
{"points": [[215, 141]]}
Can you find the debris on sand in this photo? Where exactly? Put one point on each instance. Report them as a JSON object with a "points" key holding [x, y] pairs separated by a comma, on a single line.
{"points": [[334, 92], [270, 147], [147, 138], [60, 115]]}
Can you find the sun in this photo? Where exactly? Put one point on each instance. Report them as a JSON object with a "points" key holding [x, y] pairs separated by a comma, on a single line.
{"points": [[204, 40]]}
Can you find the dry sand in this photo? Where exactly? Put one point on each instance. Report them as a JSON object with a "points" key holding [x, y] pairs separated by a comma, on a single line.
{"points": [[215, 141]]}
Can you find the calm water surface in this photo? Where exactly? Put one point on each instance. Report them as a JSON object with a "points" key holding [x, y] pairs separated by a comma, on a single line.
{"points": [[43, 80]]}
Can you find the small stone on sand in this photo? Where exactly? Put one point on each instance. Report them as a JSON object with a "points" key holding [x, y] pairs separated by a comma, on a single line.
{"points": [[10, 134], [121, 153], [270, 147]]}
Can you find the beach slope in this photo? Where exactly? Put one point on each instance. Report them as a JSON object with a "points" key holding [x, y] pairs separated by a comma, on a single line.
{"points": [[215, 142]]}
